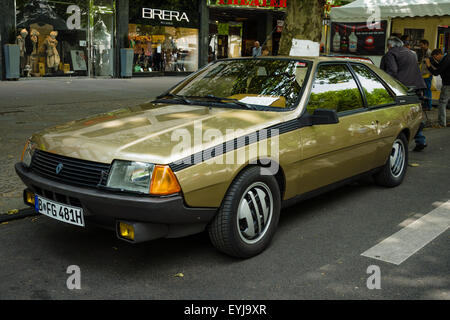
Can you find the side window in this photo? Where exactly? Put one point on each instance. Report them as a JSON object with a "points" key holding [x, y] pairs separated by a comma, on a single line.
{"points": [[376, 93], [334, 88]]}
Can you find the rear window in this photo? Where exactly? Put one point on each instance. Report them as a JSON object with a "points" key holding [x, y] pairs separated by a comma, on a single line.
{"points": [[397, 87], [374, 90]]}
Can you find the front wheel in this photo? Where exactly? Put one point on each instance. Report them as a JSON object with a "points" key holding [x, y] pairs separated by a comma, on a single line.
{"points": [[393, 172], [248, 216]]}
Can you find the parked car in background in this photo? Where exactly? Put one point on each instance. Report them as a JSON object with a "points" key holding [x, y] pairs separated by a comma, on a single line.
{"points": [[224, 150]]}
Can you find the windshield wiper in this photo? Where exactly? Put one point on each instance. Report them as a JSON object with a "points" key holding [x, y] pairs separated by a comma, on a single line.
{"points": [[226, 100], [175, 96]]}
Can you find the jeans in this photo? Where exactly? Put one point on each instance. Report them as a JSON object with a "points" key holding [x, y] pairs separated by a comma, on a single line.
{"points": [[443, 100], [428, 95], [419, 138]]}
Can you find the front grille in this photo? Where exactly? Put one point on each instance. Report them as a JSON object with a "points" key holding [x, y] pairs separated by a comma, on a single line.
{"points": [[74, 171]]}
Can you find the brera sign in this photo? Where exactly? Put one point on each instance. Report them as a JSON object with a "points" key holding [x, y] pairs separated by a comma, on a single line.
{"points": [[164, 15]]}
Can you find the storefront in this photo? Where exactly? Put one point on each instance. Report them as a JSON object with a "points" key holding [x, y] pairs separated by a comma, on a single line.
{"points": [[164, 36], [85, 37], [234, 26], [434, 29], [371, 24], [65, 37]]}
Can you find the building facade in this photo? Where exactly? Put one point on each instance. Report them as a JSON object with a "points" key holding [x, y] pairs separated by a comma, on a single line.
{"points": [[85, 37]]}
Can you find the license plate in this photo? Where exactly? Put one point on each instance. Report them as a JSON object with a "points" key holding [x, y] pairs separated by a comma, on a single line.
{"points": [[59, 211]]}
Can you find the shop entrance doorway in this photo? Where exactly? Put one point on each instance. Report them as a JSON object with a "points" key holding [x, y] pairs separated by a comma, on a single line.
{"points": [[101, 31]]}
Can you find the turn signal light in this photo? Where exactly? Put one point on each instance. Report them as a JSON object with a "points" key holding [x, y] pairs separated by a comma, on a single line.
{"points": [[164, 181], [23, 151], [126, 231]]}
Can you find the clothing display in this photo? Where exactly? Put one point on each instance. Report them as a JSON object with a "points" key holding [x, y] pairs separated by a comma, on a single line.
{"points": [[34, 57], [51, 51], [20, 41]]}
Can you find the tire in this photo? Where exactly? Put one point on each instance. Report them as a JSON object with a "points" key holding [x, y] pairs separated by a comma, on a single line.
{"points": [[393, 172], [240, 229]]}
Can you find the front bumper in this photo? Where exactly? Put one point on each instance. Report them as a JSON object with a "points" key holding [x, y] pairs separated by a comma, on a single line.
{"points": [[101, 205]]}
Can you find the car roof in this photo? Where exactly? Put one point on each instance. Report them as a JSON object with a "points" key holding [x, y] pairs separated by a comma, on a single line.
{"points": [[323, 58], [331, 58]]}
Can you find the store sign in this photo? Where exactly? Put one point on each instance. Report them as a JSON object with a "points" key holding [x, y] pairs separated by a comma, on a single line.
{"points": [[159, 13], [255, 4], [359, 38], [164, 15]]}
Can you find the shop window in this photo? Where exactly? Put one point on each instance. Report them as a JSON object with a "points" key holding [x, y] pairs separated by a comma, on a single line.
{"points": [[415, 35], [52, 36], [163, 48], [65, 37]]}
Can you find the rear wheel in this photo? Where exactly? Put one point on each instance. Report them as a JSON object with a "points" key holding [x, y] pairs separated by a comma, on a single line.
{"points": [[394, 170], [248, 216]]}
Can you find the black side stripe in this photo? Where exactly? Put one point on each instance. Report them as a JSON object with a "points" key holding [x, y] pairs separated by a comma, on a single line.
{"points": [[266, 133], [239, 142]]}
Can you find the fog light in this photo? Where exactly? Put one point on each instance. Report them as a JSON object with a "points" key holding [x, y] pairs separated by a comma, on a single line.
{"points": [[126, 231], [29, 197]]}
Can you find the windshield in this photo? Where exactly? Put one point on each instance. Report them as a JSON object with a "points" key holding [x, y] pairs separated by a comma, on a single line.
{"points": [[260, 83]]}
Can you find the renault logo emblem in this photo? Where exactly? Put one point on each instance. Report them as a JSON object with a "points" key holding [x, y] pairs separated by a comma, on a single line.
{"points": [[59, 167]]}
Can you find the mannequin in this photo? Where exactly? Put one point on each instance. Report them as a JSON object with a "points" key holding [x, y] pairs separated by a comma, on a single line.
{"points": [[51, 52], [34, 57], [20, 41]]}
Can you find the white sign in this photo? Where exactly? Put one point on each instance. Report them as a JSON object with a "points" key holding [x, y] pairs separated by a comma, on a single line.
{"points": [[74, 21], [263, 101], [164, 15], [304, 48]]}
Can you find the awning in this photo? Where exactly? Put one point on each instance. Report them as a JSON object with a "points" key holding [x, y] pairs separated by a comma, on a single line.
{"points": [[363, 10]]}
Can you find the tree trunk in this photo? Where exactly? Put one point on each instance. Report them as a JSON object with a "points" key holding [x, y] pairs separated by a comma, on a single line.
{"points": [[303, 21]]}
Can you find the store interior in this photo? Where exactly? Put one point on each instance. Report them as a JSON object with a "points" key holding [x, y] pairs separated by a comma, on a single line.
{"points": [[232, 32]]}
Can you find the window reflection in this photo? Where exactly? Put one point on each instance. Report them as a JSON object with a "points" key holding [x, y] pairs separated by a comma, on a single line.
{"points": [[334, 88], [277, 79], [376, 93]]}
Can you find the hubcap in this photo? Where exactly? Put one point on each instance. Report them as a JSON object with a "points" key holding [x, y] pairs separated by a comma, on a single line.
{"points": [[397, 158], [255, 212]]}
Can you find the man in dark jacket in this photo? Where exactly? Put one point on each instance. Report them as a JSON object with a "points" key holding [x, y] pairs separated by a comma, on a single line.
{"points": [[401, 63], [441, 66]]}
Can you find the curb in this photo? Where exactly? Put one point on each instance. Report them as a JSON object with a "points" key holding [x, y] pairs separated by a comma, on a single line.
{"points": [[22, 213]]}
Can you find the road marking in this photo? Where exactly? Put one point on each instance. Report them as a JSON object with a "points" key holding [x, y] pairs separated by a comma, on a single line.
{"points": [[404, 243]]}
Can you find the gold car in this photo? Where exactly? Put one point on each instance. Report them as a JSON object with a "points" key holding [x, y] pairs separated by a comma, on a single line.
{"points": [[224, 150]]}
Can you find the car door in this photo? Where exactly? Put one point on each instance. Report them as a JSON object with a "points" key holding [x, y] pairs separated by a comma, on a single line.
{"points": [[381, 102], [334, 152]]}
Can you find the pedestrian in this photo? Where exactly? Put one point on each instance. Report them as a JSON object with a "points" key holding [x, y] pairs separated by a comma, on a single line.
{"points": [[265, 51], [256, 50], [424, 53], [401, 63], [439, 64]]}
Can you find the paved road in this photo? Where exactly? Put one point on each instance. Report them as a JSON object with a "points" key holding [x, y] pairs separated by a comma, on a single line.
{"points": [[315, 254]]}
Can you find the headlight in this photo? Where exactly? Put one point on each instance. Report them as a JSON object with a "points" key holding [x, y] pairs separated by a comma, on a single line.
{"points": [[142, 177], [130, 176], [27, 153]]}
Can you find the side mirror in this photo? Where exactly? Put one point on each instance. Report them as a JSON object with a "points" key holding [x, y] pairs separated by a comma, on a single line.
{"points": [[324, 116]]}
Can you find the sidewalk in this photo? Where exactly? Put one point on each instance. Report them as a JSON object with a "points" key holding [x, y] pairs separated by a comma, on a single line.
{"points": [[27, 106]]}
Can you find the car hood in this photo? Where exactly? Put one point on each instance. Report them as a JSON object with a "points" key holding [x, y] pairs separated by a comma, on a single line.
{"points": [[155, 133]]}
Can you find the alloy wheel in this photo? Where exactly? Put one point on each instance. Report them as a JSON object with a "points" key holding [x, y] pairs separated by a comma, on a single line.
{"points": [[255, 212]]}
